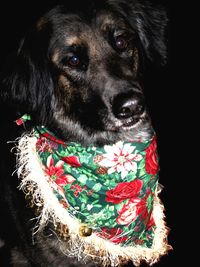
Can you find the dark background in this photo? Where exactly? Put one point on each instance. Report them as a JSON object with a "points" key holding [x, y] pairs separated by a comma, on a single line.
{"points": [[165, 94]]}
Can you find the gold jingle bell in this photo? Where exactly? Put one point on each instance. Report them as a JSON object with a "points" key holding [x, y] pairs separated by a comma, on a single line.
{"points": [[84, 231]]}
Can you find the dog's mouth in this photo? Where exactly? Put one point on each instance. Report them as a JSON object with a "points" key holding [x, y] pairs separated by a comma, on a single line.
{"points": [[116, 125], [131, 123]]}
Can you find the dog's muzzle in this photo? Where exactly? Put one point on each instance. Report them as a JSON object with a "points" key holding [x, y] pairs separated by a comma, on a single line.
{"points": [[128, 107]]}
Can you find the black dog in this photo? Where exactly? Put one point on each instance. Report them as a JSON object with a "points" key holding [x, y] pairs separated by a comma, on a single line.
{"points": [[78, 71]]}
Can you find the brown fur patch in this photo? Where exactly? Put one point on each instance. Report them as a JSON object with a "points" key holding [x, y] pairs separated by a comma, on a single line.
{"points": [[41, 23], [106, 20], [73, 40], [64, 82], [55, 56]]}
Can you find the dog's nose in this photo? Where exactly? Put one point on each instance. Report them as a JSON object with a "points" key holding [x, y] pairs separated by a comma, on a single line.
{"points": [[128, 105]]}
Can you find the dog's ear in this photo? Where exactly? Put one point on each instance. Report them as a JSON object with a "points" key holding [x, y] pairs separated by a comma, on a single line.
{"points": [[150, 23], [26, 82]]}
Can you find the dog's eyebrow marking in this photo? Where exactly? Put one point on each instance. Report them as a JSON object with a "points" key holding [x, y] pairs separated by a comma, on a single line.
{"points": [[73, 40], [56, 55], [104, 20], [108, 22]]}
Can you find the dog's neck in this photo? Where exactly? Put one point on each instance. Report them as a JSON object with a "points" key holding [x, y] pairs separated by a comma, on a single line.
{"points": [[100, 196], [85, 178], [141, 132]]}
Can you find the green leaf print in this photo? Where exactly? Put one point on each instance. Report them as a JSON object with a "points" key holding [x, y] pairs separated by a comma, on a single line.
{"points": [[97, 187], [97, 192], [142, 172], [82, 206], [95, 195], [141, 165], [82, 178]]}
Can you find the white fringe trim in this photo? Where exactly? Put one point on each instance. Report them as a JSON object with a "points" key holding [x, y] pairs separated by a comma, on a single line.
{"points": [[31, 174]]}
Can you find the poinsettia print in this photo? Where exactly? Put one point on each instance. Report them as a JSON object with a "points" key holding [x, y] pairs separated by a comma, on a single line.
{"points": [[43, 145], [72, 160], [57, 173], [123, 191], [120, 158], [111, 187]]}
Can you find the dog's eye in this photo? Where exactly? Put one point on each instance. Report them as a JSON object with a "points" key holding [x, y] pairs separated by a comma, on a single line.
{"points": [[73, 61], [76, 62], [121, 43]]}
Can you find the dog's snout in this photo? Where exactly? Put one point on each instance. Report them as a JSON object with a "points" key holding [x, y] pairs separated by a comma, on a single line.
{"points": [[127, 105]]}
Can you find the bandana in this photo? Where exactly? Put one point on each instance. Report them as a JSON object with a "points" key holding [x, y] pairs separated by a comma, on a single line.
{"points": [[103, 201]]}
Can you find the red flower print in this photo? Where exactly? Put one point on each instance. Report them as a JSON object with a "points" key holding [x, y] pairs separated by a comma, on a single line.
{"points": [[53, 139], [134, 208], [124, 190], [42, 145], [72, 160], [56, 172], [151, 164], [65, 179], [139, 242], [151, 222], [115, 235], [129, 212]]}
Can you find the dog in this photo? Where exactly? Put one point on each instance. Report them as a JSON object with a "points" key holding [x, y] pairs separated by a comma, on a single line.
{"points": [[79, 72]]}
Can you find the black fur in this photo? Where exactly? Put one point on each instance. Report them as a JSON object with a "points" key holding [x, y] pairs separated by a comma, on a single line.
{"points": [[97, 100]]}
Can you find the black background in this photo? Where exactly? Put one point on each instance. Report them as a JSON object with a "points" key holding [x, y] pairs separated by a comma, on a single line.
{"points": [[166, 96]]}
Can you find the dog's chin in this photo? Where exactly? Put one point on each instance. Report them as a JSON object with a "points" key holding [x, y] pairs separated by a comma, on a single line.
{"points": [[118, 126], [134, 122], [112, 130]]}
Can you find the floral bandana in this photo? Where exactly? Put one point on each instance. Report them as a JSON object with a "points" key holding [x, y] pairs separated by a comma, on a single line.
{"points": [[106, 196]]}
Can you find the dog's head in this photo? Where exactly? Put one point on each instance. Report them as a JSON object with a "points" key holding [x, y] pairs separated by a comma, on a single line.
{"points": [[78, 70]]}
